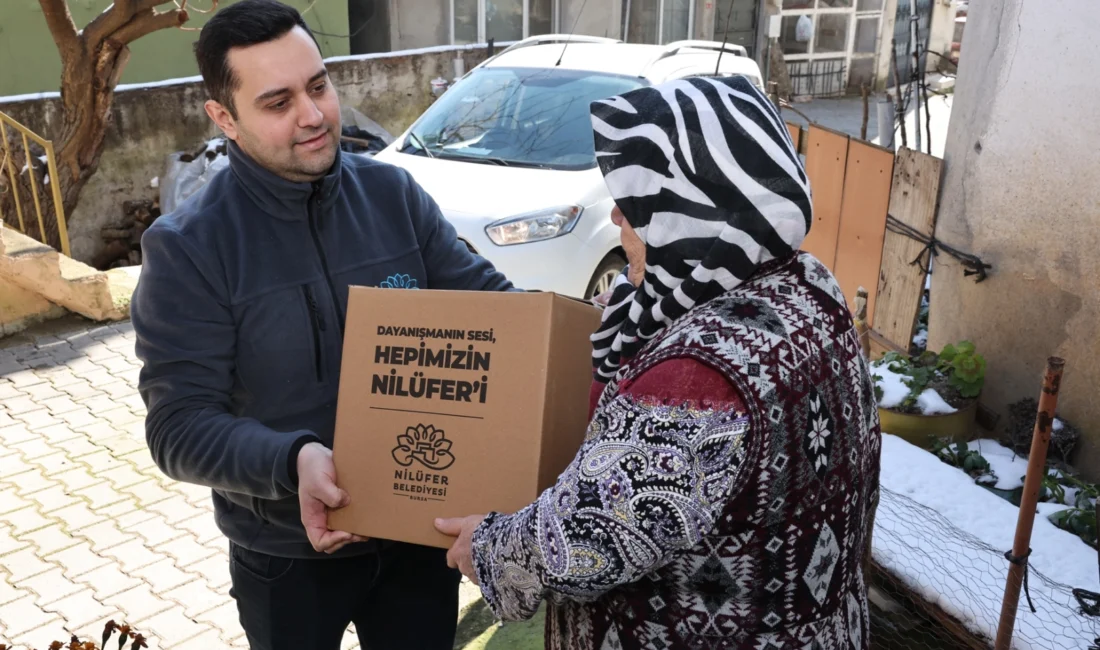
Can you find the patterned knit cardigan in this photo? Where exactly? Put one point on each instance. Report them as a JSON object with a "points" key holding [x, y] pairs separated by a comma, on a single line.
{"points": [[706, 526]]}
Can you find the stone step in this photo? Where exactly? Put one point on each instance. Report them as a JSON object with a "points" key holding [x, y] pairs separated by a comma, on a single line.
{"points": [[40, 270]]}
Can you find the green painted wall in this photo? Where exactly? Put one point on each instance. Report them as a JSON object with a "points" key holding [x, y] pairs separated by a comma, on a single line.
{"points": [[29, 62]]}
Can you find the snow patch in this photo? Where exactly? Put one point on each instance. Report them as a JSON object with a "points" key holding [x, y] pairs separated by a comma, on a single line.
{"points": [[930, 403], [965, 580], [1057, 425], [155, 183], [917, 474], [921, 338], [1048, 509], [1009, 466], [893, 386], [436, 49]]}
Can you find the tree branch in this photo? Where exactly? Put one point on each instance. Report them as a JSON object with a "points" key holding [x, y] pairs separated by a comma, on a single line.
{"points": [[107, 21], [61, 25], [142, 5], [147, 23], [116, 17]]}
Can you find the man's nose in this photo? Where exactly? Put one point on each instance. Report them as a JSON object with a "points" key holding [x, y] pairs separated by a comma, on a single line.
{"points": [[310, 116]]}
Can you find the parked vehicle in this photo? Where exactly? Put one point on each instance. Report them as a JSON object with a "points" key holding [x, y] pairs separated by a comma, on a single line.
{"points": [[507, 152]]}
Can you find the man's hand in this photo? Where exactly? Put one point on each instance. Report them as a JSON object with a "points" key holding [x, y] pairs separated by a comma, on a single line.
{"points": [[461, 555], [317, 492]]}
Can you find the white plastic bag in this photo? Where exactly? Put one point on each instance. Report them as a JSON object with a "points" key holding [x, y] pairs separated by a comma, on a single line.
{"points": [[182, 179], [804, 29]]}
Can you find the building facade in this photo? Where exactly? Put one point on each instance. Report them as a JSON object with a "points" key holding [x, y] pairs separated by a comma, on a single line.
{"points": [[831, 47]]}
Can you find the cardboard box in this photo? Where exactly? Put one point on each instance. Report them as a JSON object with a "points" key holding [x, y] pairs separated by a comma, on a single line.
{"points": [[455, 403]]}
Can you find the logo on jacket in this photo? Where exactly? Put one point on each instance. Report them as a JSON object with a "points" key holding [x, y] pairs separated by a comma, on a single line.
{"points": [[400, 281], [426, 445]]}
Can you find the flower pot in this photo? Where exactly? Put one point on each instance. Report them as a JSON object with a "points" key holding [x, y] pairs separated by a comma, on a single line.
{"points": [[919, 429], [1013, 496]]}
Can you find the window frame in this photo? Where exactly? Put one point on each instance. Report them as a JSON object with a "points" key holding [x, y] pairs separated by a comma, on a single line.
{"points": [[482, 22], [660, 22], [848, 54]]}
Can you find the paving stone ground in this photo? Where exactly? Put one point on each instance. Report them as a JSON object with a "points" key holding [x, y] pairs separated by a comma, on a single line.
{"points": [[90, 529]]}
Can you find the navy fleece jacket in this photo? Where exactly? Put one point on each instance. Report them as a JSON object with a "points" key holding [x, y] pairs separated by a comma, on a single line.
{"points": [[239, 315]]}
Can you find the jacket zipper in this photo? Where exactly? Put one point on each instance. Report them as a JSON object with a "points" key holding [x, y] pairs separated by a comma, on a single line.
{"points": [[318, 323], [314, 209]]}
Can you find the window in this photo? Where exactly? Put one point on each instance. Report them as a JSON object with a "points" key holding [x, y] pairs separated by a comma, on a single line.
{"points": [[657, 22], [837, 39], [832, 33], [866, 35], [465, 22], [476, 21], [524, 117], [793, 38]]}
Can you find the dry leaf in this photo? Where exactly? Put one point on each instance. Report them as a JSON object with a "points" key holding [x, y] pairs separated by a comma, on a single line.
{"points": [[108, 630]]}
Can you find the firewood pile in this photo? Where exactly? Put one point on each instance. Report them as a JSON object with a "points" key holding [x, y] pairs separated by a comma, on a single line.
{"points": [[123, 239]]}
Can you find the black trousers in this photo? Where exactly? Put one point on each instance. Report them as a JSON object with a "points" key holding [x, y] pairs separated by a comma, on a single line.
{"points": [[404, 597]]}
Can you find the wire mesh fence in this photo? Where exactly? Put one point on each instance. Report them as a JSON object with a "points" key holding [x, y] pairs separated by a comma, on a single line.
{"points": [[934, 586]]}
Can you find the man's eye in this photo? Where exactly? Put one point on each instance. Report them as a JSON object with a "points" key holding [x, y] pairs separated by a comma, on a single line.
{"points": [[278, 106], [319, 88]]}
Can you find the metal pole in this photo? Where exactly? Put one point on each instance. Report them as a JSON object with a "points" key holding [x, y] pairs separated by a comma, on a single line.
{"points": [[626, 24], [915, 74], [886, 112], [767, 63], [900, 115], [1036, 469], [866, 113]]}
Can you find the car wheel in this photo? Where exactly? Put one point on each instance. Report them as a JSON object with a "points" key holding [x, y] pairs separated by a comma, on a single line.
{"points": [[604, 277]]}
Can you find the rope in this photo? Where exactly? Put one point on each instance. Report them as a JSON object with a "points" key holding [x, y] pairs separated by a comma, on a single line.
{"points": [[1022, 561], [1089, 601], [932, 246]]}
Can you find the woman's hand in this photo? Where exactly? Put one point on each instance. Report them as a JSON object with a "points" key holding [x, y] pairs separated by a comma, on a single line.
{"points": [[461, 555]]}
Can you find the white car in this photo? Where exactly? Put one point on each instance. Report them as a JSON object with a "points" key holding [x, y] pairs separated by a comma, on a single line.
{"points": [[507, 152]]}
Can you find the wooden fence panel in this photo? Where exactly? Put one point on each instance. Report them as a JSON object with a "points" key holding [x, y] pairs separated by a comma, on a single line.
{"points": [[867, 179], [826, 163], [795, 132], [901, 283]]}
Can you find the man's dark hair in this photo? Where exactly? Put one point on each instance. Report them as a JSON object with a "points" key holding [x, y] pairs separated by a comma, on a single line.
{"points": [[244, 23]]}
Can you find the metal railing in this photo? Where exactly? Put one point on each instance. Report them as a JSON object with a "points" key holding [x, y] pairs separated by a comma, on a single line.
{"points": [[7, 168]]}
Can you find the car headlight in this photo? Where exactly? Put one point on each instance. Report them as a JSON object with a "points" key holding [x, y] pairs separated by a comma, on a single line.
{"points": [[534, 226]]}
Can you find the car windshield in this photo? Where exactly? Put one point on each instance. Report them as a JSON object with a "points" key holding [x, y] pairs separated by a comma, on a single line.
{"points": [[531, 117]]}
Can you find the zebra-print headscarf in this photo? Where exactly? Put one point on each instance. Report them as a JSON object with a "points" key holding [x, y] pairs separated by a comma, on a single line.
{"points": [[706, 173]]}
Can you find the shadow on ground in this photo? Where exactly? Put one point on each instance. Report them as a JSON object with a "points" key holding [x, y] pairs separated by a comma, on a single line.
{"points": [[478, 630]]}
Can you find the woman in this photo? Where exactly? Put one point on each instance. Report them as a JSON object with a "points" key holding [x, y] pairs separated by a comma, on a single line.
{"points": [[722, 494]]}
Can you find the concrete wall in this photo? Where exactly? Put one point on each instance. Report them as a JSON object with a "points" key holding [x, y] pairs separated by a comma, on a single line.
{"points": [[149, 123], [163, 55], [1020, 191]]}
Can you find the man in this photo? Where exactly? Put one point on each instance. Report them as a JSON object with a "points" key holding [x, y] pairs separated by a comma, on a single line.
{"points": [[239, 315]]}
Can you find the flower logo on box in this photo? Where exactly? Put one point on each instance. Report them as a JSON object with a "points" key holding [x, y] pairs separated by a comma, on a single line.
{"points": [[400, 281], [425, 444]]}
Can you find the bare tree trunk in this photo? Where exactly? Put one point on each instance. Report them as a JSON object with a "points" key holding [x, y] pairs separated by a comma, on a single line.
{"points": [[92, 61]]}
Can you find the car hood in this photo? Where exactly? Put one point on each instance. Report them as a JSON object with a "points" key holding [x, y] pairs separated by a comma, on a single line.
{"points": [[493, 192]]}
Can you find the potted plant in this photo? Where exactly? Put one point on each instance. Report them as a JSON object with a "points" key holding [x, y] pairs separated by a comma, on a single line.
{"points": [[929, 395]]}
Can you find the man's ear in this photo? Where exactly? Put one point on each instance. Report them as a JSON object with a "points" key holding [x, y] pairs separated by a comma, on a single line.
{"points": [[222, 117]]}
